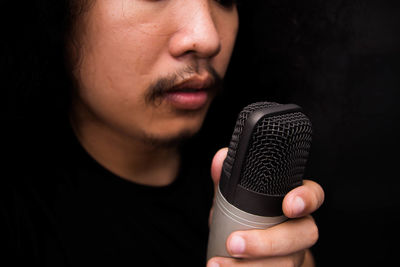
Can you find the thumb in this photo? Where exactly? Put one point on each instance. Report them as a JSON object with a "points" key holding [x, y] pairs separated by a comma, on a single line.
{"points": [[216, 165], [216, 168]]}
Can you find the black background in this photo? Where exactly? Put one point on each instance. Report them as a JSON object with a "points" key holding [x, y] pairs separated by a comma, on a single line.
{"points": [[339, 60]]}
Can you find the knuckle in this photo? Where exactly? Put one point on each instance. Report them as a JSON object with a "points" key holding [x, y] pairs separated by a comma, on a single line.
{"points": [[315, 202], [293, 260], [319, 195], [269, 246], [313, 232], [262, 245], [299, 258], [315, 195], [289, 262]]}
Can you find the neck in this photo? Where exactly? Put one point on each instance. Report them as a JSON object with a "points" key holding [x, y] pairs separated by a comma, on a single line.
{"points": [[128, 157]]}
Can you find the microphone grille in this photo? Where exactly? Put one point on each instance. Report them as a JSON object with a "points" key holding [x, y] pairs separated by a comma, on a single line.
{"points": [[277, 154], [240, 122]]}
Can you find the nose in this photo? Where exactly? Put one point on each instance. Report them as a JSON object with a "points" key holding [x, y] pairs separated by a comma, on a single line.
{"points": [[197, 34]]}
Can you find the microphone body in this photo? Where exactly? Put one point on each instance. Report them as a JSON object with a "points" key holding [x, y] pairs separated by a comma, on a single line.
{"points": [[266, 159], [227, 218]]}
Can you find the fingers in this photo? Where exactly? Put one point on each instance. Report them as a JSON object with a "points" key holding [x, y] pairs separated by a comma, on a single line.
{"points": [[216, 168], [303, 200], [284, 239], [282, 245], [299, 202], [216, 165], [296, 259]]}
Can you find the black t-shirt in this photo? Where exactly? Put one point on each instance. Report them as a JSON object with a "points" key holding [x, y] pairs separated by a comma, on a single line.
{"points": [[59, 207]]}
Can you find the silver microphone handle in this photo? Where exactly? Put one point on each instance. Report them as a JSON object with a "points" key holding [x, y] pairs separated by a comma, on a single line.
{"points": [[226, 219]]}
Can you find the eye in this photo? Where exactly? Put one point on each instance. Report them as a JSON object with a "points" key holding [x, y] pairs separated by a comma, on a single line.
{"points": [[227, 3]]}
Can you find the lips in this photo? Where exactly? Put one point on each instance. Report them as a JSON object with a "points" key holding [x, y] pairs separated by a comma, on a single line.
{"points": [[190, 94], [187, 100]]}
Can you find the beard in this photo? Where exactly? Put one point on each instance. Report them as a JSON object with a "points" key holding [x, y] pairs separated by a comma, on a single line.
{"points": [[156, 93], [172, 141]]}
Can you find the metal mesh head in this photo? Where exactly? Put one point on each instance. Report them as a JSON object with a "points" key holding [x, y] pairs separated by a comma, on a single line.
{"points": [[277, 152], [241, 120]]}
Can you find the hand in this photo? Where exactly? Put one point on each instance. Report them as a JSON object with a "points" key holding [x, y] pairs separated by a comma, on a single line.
{"points": [[285, 244]]}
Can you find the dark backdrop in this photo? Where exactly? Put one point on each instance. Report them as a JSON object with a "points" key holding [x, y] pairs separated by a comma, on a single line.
{"points": [[339, 60]]}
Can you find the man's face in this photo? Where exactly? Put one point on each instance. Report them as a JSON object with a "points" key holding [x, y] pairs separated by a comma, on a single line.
{"points": [[149, 68]]}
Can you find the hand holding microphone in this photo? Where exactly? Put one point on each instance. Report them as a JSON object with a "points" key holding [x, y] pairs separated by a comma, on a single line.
{"points": [[266, 160]]}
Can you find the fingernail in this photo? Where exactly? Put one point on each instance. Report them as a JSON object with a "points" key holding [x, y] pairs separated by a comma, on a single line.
{"points": [[298, 205], [237, 245]]}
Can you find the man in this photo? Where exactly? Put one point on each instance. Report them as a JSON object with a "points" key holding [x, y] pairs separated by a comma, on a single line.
{"points": [[145, 74]]}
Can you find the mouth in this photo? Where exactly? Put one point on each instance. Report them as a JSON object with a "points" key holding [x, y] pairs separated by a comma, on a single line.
{"points": [[185, 90], [194, 83], [187, 100], [190, 94]]}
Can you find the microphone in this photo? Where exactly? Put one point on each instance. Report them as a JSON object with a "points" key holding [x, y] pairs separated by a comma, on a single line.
{"points": [[266, 159]]}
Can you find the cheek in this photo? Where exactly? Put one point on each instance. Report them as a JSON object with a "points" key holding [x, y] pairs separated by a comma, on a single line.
{"points": [[119, 42], [222, 60], [120, 64], [228, 25], [114, 77]]}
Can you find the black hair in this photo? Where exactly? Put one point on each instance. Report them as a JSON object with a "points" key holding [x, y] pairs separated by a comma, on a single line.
{"points": [[36, 75]]}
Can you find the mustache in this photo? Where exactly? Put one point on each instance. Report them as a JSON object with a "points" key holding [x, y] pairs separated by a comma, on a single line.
{"points": [[161, 86]]}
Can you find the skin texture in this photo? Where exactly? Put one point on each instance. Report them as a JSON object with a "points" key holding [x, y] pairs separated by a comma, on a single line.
{"points": [[126, 47], [146, 73]]}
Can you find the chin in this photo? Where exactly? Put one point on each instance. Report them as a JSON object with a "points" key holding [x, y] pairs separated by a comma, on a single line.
{"points": [[174, 131], [168, 140]]}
